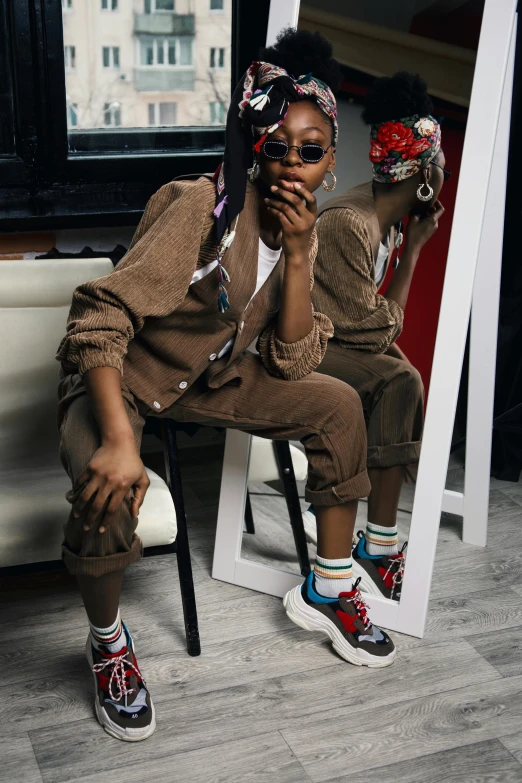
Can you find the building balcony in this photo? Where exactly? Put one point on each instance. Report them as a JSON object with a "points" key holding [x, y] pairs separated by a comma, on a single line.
{"points": [[164, 24], [158, 79]]}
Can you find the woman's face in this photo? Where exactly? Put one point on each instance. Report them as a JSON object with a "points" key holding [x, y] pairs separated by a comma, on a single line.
{"points": [[305, 123]]}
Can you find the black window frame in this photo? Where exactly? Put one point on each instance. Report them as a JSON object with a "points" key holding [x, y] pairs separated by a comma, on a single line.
{"points": [[45, 185]]}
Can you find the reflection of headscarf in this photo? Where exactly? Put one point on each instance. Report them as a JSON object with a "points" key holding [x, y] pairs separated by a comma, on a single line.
{"points": [[401, 148], [262, 99]]}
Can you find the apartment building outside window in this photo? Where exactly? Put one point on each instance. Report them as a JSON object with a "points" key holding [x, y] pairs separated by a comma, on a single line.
{"points": [[159, 6], [72, 115], [70, 57], [166, 51], [111, 56], [109, 5], [162, 114], [67, 5], [217, 113], [112, 114], [217, 5], [217, 57]]}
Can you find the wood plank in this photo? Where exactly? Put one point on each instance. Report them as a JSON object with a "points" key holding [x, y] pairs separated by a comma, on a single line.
{"points": [[18, 760], [261, 759], [186, 723], [420, 726], [501, 649], [478, 612], [513, 742], [484, 762]]}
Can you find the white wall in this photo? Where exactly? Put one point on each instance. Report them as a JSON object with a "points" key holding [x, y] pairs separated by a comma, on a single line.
{"points": [[353, 164]]}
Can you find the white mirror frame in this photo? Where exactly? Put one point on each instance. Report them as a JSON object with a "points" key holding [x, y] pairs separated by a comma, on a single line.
{"points": [[470, 275]]}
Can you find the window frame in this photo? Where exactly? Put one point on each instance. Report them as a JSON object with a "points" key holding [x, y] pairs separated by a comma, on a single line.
{"points": [[107, 175], [220, 59], [111, 66], [112, 6]]}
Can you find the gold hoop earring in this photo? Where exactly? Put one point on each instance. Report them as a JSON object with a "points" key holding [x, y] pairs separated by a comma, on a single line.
{"points": [[331, 186]]}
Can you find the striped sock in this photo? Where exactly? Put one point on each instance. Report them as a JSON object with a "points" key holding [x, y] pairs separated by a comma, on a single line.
{"points": [[381, 540], [333, 576], [112, 638]]}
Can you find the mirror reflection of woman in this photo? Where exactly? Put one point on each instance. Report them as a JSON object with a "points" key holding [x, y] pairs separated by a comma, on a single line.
{"points": [[359, 234]]}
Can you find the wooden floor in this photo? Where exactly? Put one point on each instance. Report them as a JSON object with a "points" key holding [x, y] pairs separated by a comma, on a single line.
{"points": [[267, 702]]}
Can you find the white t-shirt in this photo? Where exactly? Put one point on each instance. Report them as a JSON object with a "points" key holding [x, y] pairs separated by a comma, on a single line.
{"points": [[380, 261], [266, 261]]}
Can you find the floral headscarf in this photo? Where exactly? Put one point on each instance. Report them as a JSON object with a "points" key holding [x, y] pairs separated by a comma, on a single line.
{"points": [[401, 148]]}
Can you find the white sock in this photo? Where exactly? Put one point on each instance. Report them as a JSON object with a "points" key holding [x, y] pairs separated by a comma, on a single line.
{"points": [[381, 540], [333, 576], [112, 638]]}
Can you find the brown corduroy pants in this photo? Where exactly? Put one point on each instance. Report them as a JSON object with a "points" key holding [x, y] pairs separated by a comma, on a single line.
{"points": [[322, 412], [392, 397]]}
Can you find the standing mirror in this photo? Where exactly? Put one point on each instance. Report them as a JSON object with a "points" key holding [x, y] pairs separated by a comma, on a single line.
{"points": [[464, 51]]}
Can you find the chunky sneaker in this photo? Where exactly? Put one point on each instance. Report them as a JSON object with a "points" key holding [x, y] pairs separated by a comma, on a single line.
{"points": [[379, 574], [122, 703], [344, 620]]}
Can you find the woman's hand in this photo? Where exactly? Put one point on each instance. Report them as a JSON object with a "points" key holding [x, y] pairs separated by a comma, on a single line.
{"points": [[296, 209], [113, 471], [421, 229]]}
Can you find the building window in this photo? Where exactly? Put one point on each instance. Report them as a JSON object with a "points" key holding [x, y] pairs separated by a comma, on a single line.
{"points": [[112, 114], [166, 51], [217, 58], [217, 113], [109, 5], [217, 5], [162, 114], [157, 6], [66, 5], [111, 56], [70, 57], [72, 115]]}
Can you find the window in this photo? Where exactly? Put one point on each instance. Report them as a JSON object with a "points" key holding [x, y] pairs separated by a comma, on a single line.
{"points": [[112, 114], [70, 57], [166, 51], [84, 154], [217, 5], [217, 113], [157, 6], [162, 114], [217, 58], [72, 115], [111, 56]]}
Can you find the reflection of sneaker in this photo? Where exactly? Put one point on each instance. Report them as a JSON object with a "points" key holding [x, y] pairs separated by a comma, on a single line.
{"points": [[310, 525], [380, 575], [344, 620], [122, 702]]}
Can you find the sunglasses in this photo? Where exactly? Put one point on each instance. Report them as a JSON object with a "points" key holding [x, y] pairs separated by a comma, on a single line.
{"points": [[309, 153], [447, 174]]}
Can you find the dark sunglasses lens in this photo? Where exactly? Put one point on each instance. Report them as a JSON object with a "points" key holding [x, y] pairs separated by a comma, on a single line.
{"points": [[275, 149], [312, 153]]}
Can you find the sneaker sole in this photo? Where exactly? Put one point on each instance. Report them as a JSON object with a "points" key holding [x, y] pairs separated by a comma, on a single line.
{"points": [[305, 617], [106, 723], [367, 584]]}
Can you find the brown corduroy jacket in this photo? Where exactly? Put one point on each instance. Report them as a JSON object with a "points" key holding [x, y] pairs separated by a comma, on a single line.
{"points": [[345, 289], [162, 333]]}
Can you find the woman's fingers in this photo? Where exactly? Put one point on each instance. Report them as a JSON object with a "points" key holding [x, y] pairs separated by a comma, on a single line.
{"points": [[84, 498], [140, 490], [285, 222], [113, 505], [309, 198], [288, 197], [281, 208]]}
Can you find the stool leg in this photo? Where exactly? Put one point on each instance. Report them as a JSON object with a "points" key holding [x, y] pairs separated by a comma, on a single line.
{"points": [[186, 581], [286, 473], [249, 517]]}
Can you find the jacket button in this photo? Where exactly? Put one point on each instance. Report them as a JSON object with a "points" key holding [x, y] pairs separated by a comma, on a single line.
{"points": [[212, 357], [183, 385], [156, 405]]}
